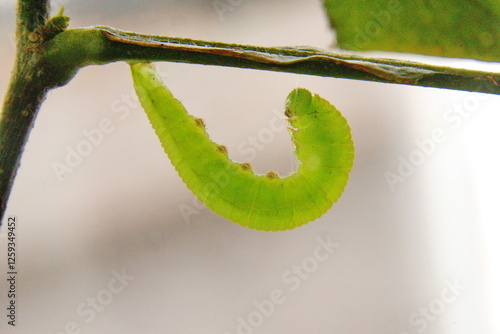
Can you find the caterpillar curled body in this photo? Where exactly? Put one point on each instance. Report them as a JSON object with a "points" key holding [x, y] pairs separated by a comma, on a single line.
{"points": [[322, 142]]}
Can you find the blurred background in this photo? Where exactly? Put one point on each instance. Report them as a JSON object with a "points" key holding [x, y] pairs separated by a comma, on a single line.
{"points": [[113, 241]]}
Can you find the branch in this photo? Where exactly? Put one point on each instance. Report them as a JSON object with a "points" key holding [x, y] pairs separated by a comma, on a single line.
{"points": [[76, 48], [26, 92], [49, 56]]}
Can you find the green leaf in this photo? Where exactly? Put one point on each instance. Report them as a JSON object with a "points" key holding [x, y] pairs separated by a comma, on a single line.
{"points": [[449, 28]]}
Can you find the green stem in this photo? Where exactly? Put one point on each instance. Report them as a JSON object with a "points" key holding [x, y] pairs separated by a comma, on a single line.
{"points": [[101, 45], [26, 92]]}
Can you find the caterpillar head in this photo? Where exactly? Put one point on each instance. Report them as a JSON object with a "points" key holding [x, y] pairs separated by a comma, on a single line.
{"points": [[298, 103]]}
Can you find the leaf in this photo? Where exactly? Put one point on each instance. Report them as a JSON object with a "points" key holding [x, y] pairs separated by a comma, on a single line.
{"points": [[449, 28]]}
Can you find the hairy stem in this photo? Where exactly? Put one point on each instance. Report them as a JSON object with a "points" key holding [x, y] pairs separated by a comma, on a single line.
{"points": [[26, 92], [101, 45]]}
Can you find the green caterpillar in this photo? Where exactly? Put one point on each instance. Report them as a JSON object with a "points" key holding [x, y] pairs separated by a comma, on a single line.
{"points": [[323, 146]]}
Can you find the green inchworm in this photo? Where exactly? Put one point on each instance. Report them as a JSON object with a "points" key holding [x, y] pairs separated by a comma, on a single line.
{"points": [[323, 145]]}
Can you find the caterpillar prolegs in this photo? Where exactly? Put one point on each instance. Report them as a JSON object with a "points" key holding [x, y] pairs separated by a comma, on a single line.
{"points": [[322, 141]]}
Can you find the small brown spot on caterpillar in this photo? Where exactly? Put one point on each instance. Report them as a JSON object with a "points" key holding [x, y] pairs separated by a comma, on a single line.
{"points": [[222, 149], [272, 175], [246, 166], [199, 122]]}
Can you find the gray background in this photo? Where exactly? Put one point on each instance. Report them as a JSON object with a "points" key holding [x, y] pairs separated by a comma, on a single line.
{"points": [[120, 208]]}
